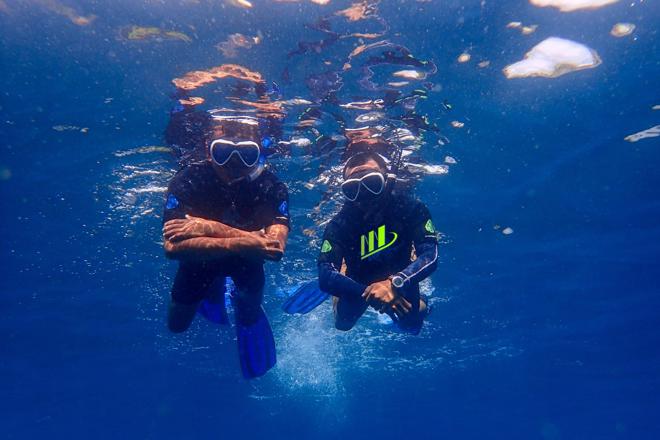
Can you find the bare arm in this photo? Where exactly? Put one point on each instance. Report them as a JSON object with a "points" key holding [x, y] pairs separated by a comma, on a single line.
{"points": [[279, 233], [209, 248], [193, 227]]}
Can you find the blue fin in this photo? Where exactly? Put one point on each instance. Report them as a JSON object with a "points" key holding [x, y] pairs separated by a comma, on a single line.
{"points": [[213, 306], [256, 346], [305, 299]]}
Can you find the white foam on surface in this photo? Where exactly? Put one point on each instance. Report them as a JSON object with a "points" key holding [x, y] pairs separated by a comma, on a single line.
{"points": [[572, 5], [553, 57]]}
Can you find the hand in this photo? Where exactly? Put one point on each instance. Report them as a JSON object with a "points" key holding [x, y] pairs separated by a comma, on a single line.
{"points": [[192, 227], [271, 248], [382, 297], [258, 245]]}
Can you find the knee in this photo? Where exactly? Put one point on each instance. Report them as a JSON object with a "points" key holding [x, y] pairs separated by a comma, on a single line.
{"points": [[177, 326], [344, 325], [180, 316]]}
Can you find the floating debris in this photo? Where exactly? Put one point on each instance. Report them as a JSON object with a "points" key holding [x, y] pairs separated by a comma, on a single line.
{"points": [[70, 128], [457, 124], [622, 29], [234, 42], [398, 83], [443, 140], [192, 101], [427, 169], [525, 30], [464, 57], [553, 57], [66, 11], [572, 5], [507, 231], [357, 11], [410, 74], [198, 78], [484, 64], [648, 133], [364, 105], [370, 117], [296, 101], [145, 33], [240, 4], [450, 160], [144, 150], [5, 173]]}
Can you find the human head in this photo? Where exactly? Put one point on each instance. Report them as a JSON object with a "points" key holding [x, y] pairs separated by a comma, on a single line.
{"points": [[233, 130], [365, 175], [367, 161]]}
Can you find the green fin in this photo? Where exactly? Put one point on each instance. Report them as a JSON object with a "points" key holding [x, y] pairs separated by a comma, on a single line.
{"points": [[327, 247]]}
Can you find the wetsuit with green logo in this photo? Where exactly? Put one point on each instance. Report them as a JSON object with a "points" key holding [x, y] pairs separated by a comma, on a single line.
{"points": [[378, 245]]}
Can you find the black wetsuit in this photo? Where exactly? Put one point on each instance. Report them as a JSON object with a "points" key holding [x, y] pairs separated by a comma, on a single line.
{"points": [[376, 246], [196, 190]]}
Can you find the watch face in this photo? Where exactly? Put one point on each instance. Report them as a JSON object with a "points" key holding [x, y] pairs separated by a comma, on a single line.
{"points": [[397, 281]]}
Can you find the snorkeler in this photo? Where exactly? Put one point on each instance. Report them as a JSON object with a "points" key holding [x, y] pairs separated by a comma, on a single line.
{"points": [[224, 217], [374, 235]]}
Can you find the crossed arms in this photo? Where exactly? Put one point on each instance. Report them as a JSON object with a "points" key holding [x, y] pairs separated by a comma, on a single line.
{"points": [[194, 238]]}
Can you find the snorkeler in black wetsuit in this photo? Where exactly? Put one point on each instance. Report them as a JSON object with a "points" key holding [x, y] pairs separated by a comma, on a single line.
{"points": [[374, 235], [224, 216]]}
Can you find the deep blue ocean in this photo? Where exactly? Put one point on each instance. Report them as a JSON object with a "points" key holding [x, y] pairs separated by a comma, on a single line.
{"points": [[549, 329]]}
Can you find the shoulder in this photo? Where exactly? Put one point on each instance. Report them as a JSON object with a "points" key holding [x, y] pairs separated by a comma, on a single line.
{"points": [[268, 183], [193, 170], [409, 206], [192, 175], [338, 222]]}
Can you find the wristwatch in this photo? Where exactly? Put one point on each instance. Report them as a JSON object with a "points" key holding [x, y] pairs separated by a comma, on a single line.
{"points": [[397, 281]]}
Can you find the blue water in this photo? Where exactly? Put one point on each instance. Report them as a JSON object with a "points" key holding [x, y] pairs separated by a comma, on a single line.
{"points": [[550, 332]]}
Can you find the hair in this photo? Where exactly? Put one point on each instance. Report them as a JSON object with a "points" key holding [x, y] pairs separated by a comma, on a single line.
{"points": [[363, 158], [234, 128], [368, 144]]}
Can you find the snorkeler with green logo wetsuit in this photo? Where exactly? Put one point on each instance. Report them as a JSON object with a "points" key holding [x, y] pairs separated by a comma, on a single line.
{"points": [[374, 236]]}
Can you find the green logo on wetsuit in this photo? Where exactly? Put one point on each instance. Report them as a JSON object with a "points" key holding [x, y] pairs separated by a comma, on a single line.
{"points": [[375, 241], [429, 227], [327, 247]]}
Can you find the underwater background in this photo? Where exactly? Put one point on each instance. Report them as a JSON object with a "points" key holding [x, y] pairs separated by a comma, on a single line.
{"points": [[546, 301]]}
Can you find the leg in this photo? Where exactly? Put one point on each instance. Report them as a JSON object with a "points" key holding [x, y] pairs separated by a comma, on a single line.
{"points": [[190, 286], [347, 311], [256, 345], [414, 320], [249, 279]]}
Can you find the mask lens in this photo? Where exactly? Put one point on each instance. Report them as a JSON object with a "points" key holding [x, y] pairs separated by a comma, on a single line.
{"points": [[221, 152], [374, 183], [350, 189], [249, 154]]}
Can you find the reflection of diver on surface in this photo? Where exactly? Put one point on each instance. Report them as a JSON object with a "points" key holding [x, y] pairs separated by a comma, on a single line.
{"points": [[374, 235], [225, 214]]}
